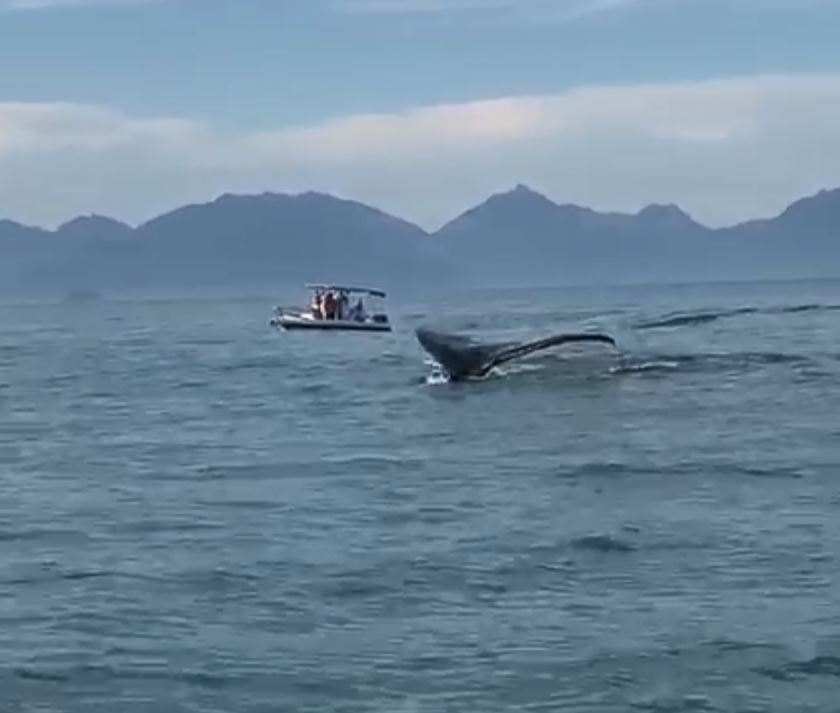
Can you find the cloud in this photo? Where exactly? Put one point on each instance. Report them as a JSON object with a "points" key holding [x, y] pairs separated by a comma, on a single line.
{"points": [[567, 9], [725, 150], [558, 8], [563, 10], [51, 4], [374, 6]]}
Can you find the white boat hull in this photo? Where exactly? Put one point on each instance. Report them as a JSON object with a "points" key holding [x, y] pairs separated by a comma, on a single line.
{"points": [[300, 322]]}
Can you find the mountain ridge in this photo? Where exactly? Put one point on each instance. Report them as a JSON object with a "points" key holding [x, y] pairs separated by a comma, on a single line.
{"points": [[517, 189], [514, 237]]}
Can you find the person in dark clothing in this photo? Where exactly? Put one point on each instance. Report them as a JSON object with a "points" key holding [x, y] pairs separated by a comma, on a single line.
{"points": [[329, 305], [343, 306]]}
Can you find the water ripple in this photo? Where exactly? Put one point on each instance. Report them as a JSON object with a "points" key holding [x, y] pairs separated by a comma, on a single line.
{"points": [[203, 514]]}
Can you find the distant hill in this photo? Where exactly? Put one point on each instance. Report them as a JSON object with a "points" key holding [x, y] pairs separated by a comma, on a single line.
{"points": [[518, 237], [95, 227], [521, 237], [234, 242]]}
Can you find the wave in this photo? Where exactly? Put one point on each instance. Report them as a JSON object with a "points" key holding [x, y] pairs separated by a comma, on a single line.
{"points": [[687, 319], [824, 666], [50, 576], [102, 672], [709, 362], [266, 362], [693, 319], [655, 366], [598, 469], [601, 543]]}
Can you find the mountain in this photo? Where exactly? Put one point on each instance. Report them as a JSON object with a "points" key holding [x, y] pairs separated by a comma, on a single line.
{"points": [[514, 238], [231, 243], [817, 214], [803, 240], [273, 238], [94, 227], [20, 247], [521, 237], [12, 233]]}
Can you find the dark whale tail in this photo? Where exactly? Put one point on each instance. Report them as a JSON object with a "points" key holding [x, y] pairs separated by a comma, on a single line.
{"points": [[462, 357]]}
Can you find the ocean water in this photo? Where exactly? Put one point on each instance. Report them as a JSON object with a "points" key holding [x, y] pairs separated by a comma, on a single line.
{"points": [[198, 513]]}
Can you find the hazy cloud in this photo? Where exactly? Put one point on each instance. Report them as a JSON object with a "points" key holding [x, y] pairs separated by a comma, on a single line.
{"points": [[724, 150], [556, 8], [48, 4]]}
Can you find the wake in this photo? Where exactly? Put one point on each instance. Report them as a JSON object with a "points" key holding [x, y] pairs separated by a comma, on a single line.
{"points": [[458, 357]]}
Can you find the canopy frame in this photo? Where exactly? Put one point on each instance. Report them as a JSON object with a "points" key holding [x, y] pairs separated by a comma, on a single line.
{"points": [[325, 287]]}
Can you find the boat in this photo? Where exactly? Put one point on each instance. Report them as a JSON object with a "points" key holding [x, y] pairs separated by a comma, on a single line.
{"points": [[335, 308]]}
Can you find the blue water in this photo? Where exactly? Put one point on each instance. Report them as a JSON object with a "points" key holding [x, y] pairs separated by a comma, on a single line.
{"points": [[198, 513]]}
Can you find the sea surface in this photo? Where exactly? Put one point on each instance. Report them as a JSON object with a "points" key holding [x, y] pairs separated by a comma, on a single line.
{"points": [[199, 513]]}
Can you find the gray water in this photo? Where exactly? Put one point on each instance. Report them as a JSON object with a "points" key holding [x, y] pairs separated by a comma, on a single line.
{"points": [[198, 513]]}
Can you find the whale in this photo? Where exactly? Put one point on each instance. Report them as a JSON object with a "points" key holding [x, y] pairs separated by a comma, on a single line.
{"points": [[463, 357]]}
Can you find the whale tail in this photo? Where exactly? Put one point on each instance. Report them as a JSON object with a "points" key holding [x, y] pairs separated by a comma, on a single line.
{"points": [[462, 357]]}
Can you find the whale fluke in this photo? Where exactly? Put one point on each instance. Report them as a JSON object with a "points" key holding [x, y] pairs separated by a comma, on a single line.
{"points": [[462, 357]]}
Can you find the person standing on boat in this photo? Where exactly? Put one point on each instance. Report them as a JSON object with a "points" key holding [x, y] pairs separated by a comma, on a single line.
{"points": [[343, 306], [318, 305], [358, 312], [329, 305]]}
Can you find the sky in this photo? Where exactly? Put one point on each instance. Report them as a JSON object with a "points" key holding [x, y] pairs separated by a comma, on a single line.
{"points": [[129, 108]]}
